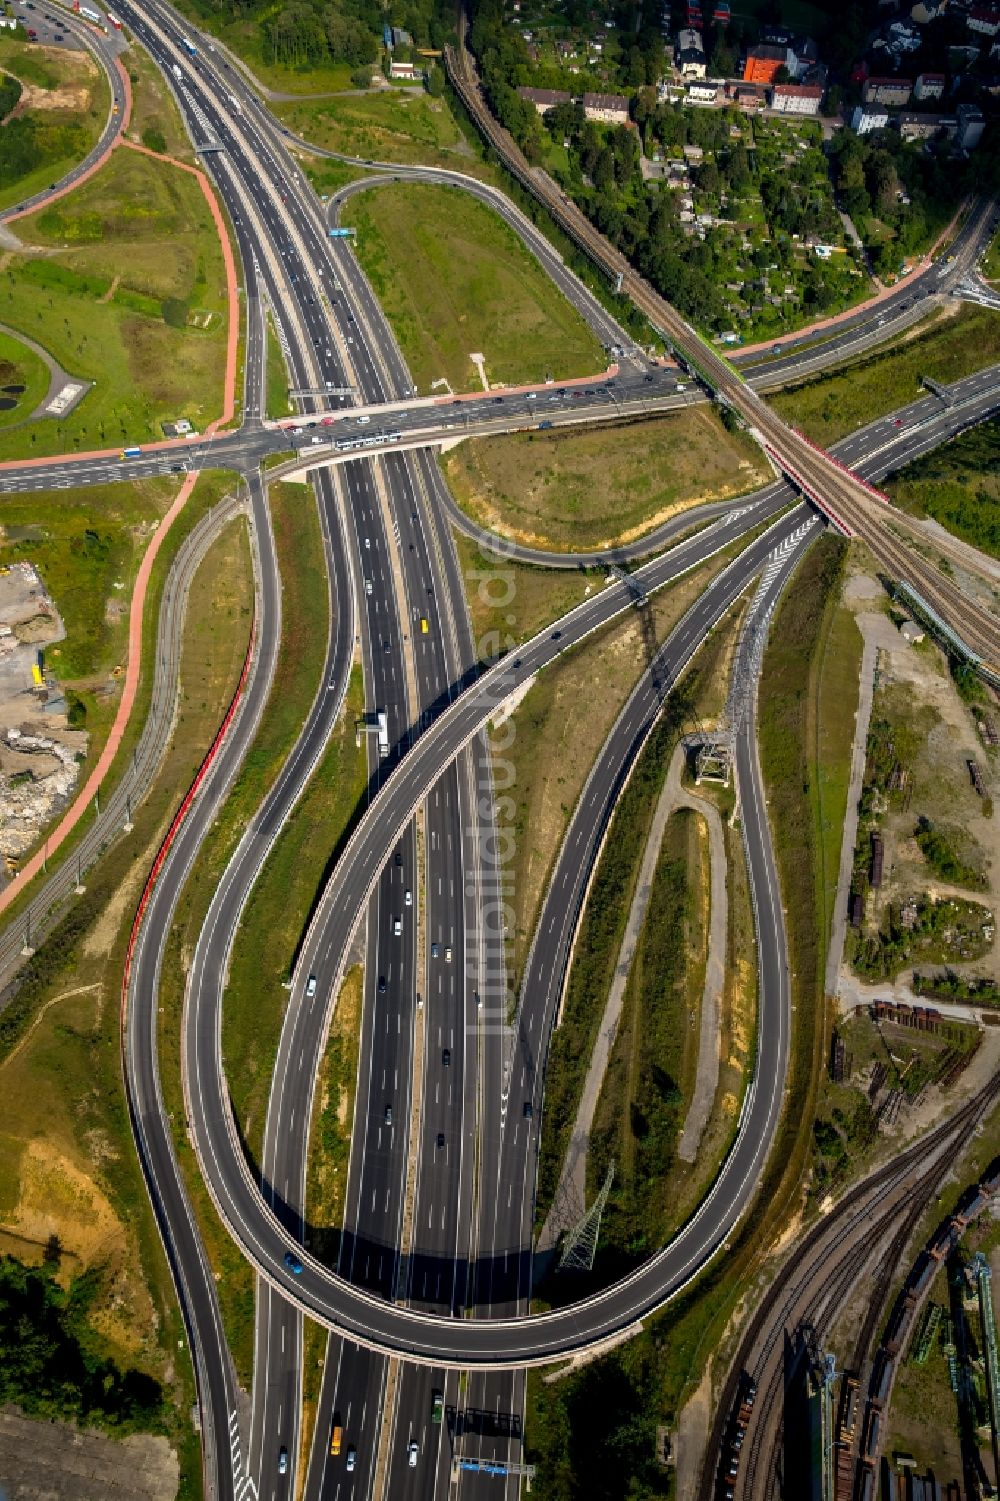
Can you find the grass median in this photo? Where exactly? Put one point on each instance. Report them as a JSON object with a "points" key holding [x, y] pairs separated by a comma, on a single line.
{"points": [[277, 400], [63, 1119], [600, 486], [835, 405], [277, 913], [475, 290]]}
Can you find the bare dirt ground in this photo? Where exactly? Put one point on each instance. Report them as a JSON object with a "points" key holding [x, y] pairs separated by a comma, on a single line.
{"points": [[38, 750], [41, 1461], [914, 683]]}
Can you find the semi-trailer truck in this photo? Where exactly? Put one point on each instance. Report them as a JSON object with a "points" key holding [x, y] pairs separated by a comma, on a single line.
{"points": [[189, 46]]}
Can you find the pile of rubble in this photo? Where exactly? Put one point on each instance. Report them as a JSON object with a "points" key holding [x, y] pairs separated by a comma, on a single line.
{"points": [[40, 754]]}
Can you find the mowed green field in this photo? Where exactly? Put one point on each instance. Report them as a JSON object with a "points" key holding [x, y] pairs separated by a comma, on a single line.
{"points": [[129, 294], [20, 366], [454, 281], [62, 110], [387, 125]]}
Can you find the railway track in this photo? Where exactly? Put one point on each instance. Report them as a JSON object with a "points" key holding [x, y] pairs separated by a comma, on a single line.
{"points": [[867, 1206], [833, 489]]}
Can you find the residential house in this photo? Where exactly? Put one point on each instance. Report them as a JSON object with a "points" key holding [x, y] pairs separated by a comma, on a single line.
{"points": [[411, 72], [608, 109], [891, 91], [984, 19], [864, 121], [928, 86], [544, 99], [764, 62], [925, 127], [796, 98], [702, 92], [690, 54], [970, 126]]}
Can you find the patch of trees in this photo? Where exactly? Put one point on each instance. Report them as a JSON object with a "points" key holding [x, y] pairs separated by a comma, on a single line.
{"points": [[48, 1366], [28, 143], [10, 93], [315, 33]]}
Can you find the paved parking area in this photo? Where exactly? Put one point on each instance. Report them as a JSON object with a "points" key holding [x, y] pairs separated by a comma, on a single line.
{"points": [[46, 21], [54, 1462]]}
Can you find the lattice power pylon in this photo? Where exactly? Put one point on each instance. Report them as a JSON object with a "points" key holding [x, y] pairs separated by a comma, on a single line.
{"points": [[580, 1245]]}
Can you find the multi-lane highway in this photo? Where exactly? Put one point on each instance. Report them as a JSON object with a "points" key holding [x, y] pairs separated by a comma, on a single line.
{"points": [[389, 558]]}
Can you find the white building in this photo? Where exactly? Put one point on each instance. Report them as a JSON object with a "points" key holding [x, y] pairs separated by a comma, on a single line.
{"points": [[928, 86], [690, 54], [865, 120], [796, 98], [984, 19]]}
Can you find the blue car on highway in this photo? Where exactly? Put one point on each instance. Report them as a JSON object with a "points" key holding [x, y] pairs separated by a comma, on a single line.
{"points": [[293, 1263]]}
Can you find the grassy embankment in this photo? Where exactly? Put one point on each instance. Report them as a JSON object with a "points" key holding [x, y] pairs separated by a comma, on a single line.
{"points": [[134, 302], [249, 1019], [20, 366], [60, 115], [834, 405], [387, 125], [601, 1422], [156, 121], [69, 1163], [569, 490], [276, 915], [474, 290], [958, 485], [333, 1120]]}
